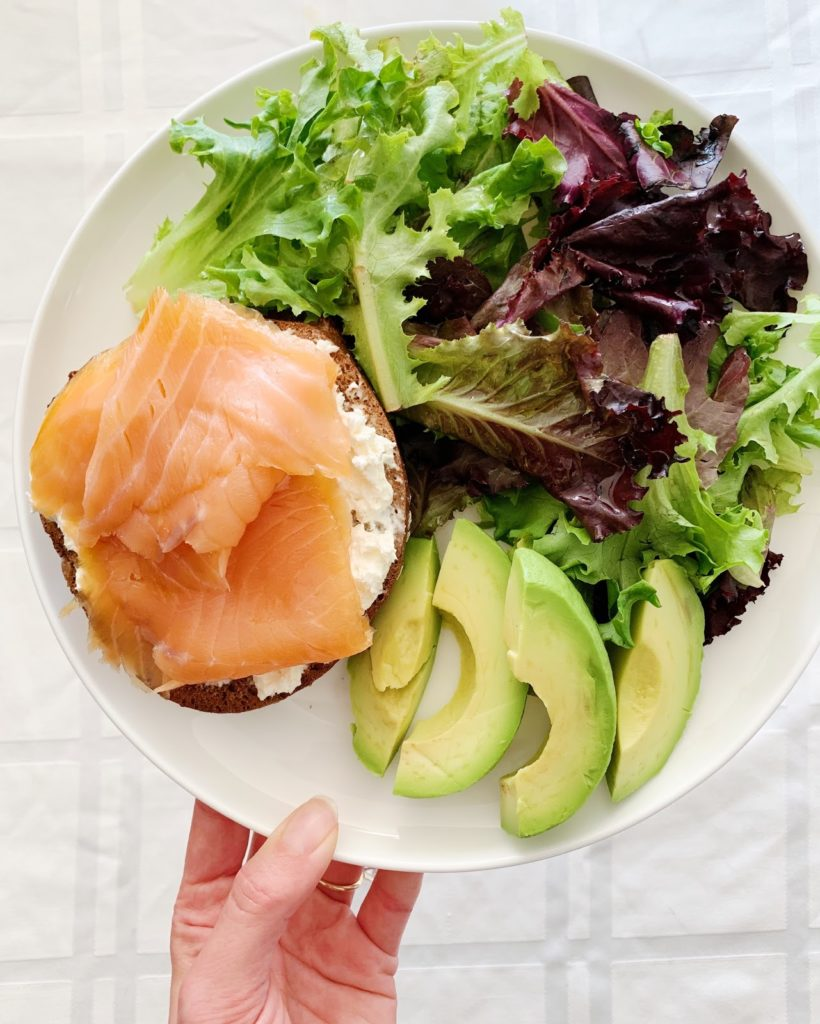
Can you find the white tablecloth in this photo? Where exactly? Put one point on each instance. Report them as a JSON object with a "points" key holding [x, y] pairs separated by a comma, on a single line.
{"points": [[708, 913]]}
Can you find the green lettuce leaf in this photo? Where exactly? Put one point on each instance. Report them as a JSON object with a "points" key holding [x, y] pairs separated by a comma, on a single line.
{"points": [[607, 573], [615, 563], [333, 201], [522, 515], [252, 177], [681, 522], [765, 467], [387, 254], [761, 333], [679, 515], [650, 130], [618, 628], [482, 74], [500, 196]]}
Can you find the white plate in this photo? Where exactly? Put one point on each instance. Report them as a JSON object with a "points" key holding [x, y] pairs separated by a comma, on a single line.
{"points": [[256, 767]]}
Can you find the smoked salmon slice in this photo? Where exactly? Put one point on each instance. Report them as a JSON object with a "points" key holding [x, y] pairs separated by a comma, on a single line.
{"points": [[287, 601], [205, 412], [195, 469], [65, 441]]}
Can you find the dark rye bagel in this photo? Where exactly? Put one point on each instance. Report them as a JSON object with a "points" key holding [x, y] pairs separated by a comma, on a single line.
{"points": [[240, 694]]}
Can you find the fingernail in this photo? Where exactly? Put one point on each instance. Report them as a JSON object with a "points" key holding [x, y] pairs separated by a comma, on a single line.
{"points": [[309, 826]]}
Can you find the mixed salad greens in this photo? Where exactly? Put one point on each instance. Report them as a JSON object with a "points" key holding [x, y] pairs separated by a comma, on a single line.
{"points": [[501, 250]]}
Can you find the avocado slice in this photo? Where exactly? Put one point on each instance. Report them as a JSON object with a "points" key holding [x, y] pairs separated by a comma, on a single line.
{"points": [[460, 743], [383, 717], [406, 627], [657, 680], [556, 647]]}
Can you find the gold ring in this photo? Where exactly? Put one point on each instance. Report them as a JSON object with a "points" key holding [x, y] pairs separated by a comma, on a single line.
{"points": [[333, 887]]}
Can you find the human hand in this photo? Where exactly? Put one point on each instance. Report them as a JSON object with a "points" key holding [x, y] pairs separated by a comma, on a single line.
{"points": [[263, 943]]}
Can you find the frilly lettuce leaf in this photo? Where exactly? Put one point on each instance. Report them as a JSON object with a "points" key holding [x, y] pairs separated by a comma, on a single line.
{"points": [[252, 176], [650, 130], [615, 160], [387, 254], [522, 515], [482, 73], [334, 200], [765, 466], [675, 260], [542, 404], [728, 600], [608, 573], [453, 290], [761, 333], [679, 515]]}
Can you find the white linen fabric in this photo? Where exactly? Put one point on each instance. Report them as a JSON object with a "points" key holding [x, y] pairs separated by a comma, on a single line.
{"points": [[709, 912]]}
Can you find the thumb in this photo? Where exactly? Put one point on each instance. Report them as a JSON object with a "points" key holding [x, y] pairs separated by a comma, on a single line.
{"points": [[268, 890]]}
